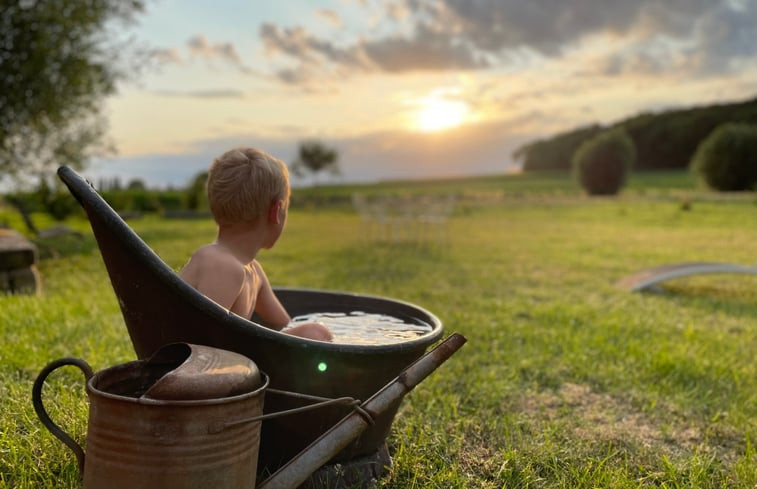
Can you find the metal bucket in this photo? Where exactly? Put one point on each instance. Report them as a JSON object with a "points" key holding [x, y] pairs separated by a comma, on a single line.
{"points": [[134, 441]]}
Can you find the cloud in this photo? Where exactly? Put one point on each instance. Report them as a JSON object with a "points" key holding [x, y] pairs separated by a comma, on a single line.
{"points": [[397, 11], [331, 16], [297, 43], [200, 46], [717, 40], [214, 93], [701, 36], [395, 54], [165, 56], [429, 51], [475, 150], [726, 36], [310, 53]]}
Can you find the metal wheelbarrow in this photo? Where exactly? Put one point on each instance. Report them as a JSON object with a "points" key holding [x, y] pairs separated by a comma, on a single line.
{"points": [[160, 308]]}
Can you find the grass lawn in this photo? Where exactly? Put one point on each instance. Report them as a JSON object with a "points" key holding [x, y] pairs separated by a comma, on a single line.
{"points": [[566, 381]]}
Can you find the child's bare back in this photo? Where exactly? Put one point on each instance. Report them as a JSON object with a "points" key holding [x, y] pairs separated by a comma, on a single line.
{"points": [[248, 192], [224, 279]]}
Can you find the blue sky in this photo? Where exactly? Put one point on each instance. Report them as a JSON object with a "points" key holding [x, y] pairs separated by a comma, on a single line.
{"points": [[412, 88]]}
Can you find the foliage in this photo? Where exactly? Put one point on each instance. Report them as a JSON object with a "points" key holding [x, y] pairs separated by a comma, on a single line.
{"points": [[314, 156], [139, 200], [136, 184], [664, 140], [195, 196], [727, 158], [554, 153], [56, 201], [565, 382], [58, 63], [170, 200], [601, 164], [669, 139]]}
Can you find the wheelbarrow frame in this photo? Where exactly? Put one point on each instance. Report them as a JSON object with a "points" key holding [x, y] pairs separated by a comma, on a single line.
{"points": [[160, 308]]}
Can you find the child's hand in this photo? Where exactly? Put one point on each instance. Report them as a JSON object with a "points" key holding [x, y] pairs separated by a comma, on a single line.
{"points": [[313, 330]]}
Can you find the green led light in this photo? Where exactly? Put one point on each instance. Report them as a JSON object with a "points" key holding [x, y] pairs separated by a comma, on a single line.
{"points": [[322, 367]]}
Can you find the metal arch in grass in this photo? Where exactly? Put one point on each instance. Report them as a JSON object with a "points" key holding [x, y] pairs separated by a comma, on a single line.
{"points": [[647, 279]]}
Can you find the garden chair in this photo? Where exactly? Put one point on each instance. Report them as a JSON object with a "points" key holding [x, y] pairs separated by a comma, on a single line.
{"points": [[649, 278]]}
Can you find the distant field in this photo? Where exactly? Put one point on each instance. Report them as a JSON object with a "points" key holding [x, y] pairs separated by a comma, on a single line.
{"points": [[516, 182], [499, 187], [566, 381]]}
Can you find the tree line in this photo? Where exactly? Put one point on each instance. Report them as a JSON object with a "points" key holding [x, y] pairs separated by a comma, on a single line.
{"points": [[665, 140], [135, 197]]}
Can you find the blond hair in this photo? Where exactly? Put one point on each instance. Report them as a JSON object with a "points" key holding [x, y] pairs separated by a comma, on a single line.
{"points": [[243, 183]]}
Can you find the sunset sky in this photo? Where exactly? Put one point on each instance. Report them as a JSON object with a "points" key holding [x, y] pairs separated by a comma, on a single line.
{"points": [[413, 88]]}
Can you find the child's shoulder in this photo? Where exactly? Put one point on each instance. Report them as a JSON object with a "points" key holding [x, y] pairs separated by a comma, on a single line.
{"points": [[212, 261], [212, 255], [209, 250]]}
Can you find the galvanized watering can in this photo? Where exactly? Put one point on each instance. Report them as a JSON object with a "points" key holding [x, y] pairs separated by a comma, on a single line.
{"points": [[190, 416]]}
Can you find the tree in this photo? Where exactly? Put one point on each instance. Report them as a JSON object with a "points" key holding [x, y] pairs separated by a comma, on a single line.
{"points": [[57, 64], [602, 163], [315, 157], [555, 152], [136, 184], [663, 140], [727, 158], [195, 196]]}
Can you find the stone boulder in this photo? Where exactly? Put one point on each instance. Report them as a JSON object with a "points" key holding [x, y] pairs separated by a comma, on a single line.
{"points": [[18, 258]]}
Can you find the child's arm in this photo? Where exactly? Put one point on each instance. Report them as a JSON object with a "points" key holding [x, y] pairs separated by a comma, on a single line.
{"points": [[273, 313], [267, 305]]}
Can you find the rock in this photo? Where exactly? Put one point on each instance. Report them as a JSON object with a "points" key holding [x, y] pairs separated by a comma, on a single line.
{"points": [[15, 250], [58, 232], [18, 256], [20, 280]]}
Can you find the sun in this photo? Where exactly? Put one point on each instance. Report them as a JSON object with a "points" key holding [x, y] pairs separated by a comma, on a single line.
{"points": [[438, 114]]}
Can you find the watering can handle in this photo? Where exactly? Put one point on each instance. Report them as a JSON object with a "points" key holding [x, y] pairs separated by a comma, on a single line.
{"points": [[42, 413]]}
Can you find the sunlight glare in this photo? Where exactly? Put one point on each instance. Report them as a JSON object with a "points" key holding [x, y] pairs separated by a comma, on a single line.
{"points": [[438, 114]]}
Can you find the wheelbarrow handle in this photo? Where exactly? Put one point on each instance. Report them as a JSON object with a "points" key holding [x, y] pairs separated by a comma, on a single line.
{"points": [[320, 403], [42, 413]]}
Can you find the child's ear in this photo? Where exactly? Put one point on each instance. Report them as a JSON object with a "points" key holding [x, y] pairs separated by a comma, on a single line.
{"points": [[274, 212]]}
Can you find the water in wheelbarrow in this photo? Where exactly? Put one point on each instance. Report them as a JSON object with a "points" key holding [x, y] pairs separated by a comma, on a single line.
{"points": [[364, 328]]}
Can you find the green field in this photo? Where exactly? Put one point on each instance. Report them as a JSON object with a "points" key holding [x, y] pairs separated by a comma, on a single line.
{"points": [[565, 382]]}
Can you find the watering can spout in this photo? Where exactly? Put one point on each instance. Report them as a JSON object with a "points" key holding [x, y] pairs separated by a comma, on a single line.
{"points": [[298, 469]]}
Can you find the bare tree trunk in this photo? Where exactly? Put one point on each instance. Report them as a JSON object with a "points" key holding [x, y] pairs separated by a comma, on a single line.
{"points": [[19, 205]]}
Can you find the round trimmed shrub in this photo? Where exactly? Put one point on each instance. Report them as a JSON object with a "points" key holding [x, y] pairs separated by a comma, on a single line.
{"points": [[601, 164], [727, 159]]}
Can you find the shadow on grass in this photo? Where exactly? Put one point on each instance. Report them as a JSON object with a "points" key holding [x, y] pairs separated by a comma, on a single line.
{"points": [[738, 297]]}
